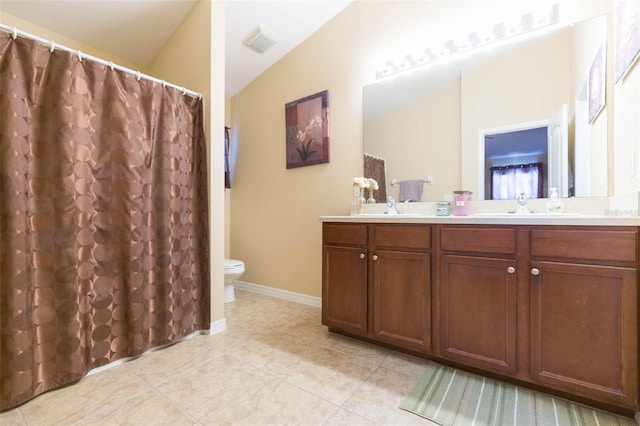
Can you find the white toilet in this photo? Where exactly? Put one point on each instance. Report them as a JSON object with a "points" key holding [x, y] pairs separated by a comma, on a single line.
{"points": [[233, 269]]}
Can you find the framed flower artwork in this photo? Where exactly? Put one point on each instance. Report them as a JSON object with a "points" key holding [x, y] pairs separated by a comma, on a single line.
{"points": [[307, 130]]}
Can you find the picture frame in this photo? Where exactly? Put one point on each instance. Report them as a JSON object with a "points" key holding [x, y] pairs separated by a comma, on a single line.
{"points": [[627, 36], [307, 130], [596, 86]]}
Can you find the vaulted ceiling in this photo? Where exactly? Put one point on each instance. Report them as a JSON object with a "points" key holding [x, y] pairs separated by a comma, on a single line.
{"points": [[137, 29]]}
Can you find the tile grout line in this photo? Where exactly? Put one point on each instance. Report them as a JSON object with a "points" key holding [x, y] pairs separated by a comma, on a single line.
{"points": [[165, 398], [370, 358]]}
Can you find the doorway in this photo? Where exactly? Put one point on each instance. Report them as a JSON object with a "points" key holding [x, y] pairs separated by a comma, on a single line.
{"points": [[516, 162], [544, 142]]}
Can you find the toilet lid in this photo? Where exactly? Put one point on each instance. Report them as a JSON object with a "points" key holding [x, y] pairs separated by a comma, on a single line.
{"points": [[232, 263]]}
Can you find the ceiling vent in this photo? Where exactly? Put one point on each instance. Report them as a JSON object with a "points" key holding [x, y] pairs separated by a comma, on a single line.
{"points": [[260, 39]]}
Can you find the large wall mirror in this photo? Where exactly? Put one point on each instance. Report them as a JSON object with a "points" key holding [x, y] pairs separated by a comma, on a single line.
{"points": [[460, 123]]}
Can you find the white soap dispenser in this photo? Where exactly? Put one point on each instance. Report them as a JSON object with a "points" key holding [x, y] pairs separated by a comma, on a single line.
{"points": [[554, 204]]}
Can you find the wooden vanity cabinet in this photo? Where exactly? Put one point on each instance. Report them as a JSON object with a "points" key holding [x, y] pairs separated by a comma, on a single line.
{"points": [[344, 277], [584, 313], [377, 282], [552, 306], [478, 297], [401, 282]]}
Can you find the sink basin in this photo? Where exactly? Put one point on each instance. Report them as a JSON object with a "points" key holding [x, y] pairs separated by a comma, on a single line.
{"points": [[376, 215], [530, 215]]}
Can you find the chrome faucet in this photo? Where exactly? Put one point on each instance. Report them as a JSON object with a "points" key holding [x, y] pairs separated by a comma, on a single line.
{"points": [[391, 206], [522, 204]]}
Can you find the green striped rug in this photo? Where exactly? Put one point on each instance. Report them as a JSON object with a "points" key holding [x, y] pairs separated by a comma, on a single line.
{"points": [[452, 397]]}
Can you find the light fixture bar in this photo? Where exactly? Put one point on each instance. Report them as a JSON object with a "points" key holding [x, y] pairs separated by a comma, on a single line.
{"points": [[500, 31]]}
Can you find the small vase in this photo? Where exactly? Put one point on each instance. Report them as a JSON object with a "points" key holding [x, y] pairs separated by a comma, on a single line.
{"points": [[357, 205], [362, 201], [371, 199]]}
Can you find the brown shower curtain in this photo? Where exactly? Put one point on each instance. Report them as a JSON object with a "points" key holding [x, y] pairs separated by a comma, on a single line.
{"points": [[374, 167], [103, 217]]}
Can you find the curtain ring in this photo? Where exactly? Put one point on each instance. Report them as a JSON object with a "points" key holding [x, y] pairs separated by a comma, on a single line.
{"points": [[164, 83], [184, 90], [138, 75], [52, 46], [14, 34], [80, 56]]}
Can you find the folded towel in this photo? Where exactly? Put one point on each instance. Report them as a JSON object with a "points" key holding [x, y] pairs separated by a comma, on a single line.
{"points": [[411, 190]]}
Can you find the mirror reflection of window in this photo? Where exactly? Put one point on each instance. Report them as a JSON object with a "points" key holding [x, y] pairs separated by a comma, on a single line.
{"points": [[508, 182], [516, 162]]}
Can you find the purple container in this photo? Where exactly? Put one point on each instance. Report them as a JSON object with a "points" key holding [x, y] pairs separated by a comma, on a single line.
{"points": [[461, 202]]}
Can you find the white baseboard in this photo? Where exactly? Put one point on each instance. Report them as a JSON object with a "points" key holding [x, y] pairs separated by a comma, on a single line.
{"points": [[282, 294], [217, 326], [155, 348]]}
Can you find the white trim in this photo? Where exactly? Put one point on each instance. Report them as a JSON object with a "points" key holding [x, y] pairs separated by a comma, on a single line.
{"points": [[110, 365], [217, 326], [155, 348], [282, 294]]}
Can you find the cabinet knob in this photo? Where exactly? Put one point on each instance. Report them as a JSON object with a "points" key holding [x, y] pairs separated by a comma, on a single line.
{"points": [[362, 255], [511, 269], [375, 257], [535, 271]]}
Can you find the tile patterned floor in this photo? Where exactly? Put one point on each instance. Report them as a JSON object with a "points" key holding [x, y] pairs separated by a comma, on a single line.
{"points": [[275, 364]]}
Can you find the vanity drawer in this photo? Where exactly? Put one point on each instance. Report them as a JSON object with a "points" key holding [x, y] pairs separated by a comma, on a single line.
{"points": [[481, 240], [584, 244], [344, 233], [402, 236]]}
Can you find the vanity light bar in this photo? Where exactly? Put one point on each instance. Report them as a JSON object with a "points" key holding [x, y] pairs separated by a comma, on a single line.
{"points": [[501, 31]]}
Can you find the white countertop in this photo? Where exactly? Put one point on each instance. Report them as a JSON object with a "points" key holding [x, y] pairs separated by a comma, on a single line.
{"points": [[492, 219]]}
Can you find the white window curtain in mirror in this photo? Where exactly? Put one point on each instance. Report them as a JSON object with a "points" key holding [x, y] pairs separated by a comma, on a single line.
{"points": [[508, 182]]}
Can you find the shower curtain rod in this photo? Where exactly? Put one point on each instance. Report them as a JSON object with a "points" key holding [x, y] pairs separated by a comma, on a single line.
{"points": [[81, 56]]}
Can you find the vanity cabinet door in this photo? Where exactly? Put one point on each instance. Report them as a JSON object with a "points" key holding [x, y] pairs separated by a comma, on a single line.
{"points": [[402, 298], [584, 330], [478, 312], [344, 289]]}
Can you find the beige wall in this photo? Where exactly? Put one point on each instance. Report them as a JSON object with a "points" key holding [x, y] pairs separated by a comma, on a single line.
{"points": [[274, 222], [626, 142], [427, 129], [588, 38], [274, 211], [622, 110], [184, 60], [513, 89], [59, 39]]}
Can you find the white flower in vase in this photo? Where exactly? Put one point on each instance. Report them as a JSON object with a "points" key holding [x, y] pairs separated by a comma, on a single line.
{"points": [[359, 185]]}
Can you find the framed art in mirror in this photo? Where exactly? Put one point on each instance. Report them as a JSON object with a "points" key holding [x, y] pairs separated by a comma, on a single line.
{"points": [[307, 130], [597, 84], [627, 36]]}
